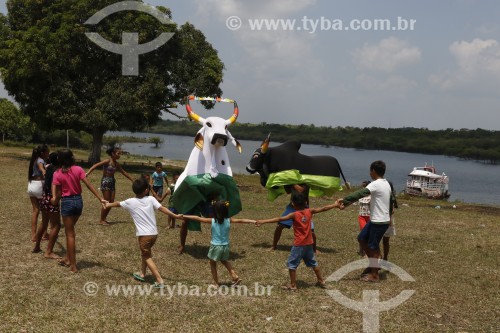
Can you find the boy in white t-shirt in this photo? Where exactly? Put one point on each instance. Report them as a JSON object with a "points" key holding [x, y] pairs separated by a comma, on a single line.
{"points": [[380, 217], [142, 209]]}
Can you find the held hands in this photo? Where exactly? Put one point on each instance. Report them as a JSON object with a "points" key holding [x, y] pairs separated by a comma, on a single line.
{"points": [[340, 203]]}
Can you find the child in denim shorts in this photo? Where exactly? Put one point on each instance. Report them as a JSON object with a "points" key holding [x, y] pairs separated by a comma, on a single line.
{"points": [[302, 248]]}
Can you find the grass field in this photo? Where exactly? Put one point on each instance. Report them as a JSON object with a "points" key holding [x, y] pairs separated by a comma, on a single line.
{"points": [[451, 253]]}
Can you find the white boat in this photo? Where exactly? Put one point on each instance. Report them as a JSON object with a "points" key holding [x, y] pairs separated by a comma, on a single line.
{"points": [[425, 182]]}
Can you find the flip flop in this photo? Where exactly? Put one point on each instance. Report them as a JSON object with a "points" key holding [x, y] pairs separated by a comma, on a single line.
{"points": [[62, 263], [236, 282], [138, 277], [367, 278], [321, 285], [288, 287], [157, 285]]}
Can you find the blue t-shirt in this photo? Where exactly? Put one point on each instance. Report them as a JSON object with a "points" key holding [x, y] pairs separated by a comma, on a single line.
{"points": [[158, 178], [220, 232]]}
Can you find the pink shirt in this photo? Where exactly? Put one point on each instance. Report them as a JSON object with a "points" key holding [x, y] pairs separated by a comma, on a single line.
{"points": [[69, 180]]}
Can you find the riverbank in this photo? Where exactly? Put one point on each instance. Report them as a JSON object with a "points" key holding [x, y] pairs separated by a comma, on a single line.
{"points": [[449, 252]]}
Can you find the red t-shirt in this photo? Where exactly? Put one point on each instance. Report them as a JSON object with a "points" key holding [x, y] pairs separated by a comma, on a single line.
{"points": [[302, 228]]}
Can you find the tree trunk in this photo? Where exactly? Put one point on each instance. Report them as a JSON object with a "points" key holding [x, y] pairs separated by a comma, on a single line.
{"points": [[95, 153]]}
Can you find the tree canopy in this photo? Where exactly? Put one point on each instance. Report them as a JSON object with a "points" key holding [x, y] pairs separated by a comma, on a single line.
{"points": [[13, 124], [62, 80]]}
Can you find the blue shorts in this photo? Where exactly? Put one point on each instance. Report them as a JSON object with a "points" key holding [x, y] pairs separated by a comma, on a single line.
{"points": [[372, 234], [158, 190], [289, 223], [72, 205], [298, 253]]}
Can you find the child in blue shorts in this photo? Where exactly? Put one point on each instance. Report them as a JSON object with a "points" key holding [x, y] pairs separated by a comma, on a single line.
{"points": [[380, 217], [302, 248]]}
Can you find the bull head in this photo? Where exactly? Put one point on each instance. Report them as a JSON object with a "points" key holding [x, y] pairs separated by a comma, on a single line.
{"points": [[256, 164], [218, 134]]}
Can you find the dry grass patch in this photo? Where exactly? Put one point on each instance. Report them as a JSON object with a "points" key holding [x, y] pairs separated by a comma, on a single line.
{"points": [[451, 253]]}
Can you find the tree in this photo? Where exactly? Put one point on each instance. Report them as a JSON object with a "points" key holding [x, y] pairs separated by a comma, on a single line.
{"points": [[12, 122], [156, 140], [63, 80]]}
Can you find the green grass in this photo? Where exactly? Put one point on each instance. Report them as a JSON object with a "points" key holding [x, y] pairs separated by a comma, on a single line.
{"points": [[451, 253]]}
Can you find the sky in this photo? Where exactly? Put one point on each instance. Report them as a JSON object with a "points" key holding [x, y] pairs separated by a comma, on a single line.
{"points": [[443, 73]]}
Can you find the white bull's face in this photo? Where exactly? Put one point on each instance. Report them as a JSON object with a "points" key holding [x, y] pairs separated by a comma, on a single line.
{"points": [[215, 129]]}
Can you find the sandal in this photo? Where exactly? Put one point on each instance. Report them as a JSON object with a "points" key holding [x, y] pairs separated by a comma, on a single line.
{"points": [[157, 285], [138, 277], [62, 263], [367, 278], [288, 287], [322, 285], [236, 282]]}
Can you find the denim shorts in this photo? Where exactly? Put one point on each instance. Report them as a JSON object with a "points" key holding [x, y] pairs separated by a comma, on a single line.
{"points": [[298, 253], [372, 234], [158, 190], [72, 205]]}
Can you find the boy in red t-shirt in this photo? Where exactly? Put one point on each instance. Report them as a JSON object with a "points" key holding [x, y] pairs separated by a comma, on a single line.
{"points": [[302, 248]]}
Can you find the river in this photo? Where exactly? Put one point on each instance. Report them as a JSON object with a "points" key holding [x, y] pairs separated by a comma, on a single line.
{"points": [[470, 181]]}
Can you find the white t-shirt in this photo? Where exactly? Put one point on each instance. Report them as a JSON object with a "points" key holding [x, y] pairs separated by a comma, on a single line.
{"points": [[143, 213], [380, 192]]}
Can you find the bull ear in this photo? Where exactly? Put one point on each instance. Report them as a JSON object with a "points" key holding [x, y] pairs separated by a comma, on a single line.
{"points": [[265, 144], [198, 141], [238, 146], [234, 141]]}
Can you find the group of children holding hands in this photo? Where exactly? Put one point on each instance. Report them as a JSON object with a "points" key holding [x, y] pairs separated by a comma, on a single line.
{"points": [[65, 188]]}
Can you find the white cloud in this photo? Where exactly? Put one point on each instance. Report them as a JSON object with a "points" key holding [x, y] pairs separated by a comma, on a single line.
{"points": [[394, 86], [478, 65], [387, 56]]}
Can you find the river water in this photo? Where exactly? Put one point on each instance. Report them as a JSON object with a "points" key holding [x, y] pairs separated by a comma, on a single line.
{"points": [[470, 181]]}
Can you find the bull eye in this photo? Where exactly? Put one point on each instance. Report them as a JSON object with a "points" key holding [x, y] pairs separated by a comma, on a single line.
{"points": [[223, 162], [209, 125]]}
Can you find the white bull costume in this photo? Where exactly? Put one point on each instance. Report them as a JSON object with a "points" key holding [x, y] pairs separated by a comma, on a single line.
{"points": [[208, 175]]}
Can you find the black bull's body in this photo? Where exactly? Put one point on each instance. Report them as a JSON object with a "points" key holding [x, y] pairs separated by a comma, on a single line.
{"points": [[287, 157]]}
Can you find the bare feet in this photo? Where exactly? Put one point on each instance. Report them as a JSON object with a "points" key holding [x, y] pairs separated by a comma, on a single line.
{"points": [[52, 255], [272, 248], [36, 250], [105, 223], [369, 278], [317, 251], [45, 237], [180, 249]]}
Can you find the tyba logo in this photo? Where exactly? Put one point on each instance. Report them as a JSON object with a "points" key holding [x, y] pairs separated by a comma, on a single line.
{"points": [[370, 306], [130, 49]]}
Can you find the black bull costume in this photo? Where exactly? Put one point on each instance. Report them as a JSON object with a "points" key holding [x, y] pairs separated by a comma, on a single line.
{"points": [[284, 165]]}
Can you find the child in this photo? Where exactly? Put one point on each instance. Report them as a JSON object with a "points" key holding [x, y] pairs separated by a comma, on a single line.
{"points": [[108, 189], [66, 185], [364, 214], [50, 213], [301, 188], [148, 180], [391, 231], [219, 245], [369, 238], [170, 191], [302, 248], [141, 208], [157, 180], [36, 175]]}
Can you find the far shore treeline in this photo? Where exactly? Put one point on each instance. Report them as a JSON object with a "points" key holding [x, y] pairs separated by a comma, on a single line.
{"points": [[481, 145]]}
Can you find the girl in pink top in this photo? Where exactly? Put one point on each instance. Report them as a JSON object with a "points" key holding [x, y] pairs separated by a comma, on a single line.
{"points": [[66, 188]]}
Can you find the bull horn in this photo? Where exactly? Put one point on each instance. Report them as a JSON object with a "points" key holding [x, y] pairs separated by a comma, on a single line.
{"points": [[265, 144], [233, 118], [190, 112]]}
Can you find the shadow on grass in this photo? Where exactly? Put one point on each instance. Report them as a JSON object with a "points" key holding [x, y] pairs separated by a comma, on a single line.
{"points": [[286, 248], [200, 252]]}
